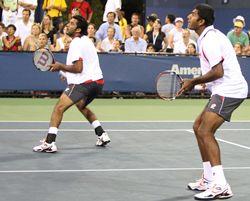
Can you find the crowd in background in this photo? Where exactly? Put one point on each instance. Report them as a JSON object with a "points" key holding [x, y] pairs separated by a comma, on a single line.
{"points": [[19, 32]]}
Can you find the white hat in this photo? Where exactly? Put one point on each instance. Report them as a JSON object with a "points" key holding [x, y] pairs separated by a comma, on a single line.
{"points": [[178, 19], [239, 18]]}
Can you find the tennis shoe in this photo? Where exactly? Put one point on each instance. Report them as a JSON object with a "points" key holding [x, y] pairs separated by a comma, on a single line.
{"points": [[215, 192], [103, 140], [45, 147], [200, 185]]}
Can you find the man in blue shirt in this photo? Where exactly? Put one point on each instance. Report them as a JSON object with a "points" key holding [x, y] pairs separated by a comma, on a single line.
{"points": [[103, 29], [135, 43]]}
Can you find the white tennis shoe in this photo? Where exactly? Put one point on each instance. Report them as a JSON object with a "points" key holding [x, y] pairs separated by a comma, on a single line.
{"points": [[45, 147], [215, 192], [199, 185], [103, 140]]}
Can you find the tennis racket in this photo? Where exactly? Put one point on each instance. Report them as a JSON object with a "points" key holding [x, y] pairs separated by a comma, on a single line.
{"points": [[168, 83], [43, 58]]}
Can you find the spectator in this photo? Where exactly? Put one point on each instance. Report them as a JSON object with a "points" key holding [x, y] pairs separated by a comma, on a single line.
{"points": [[28, 5], [156, 36], [11, 42], [112, 6], [9, 12], [151, 19], [181, 46], [175, 34], [103, 29], [107, 43], [150, 48], [2, 34], [83, 7], [48, 29], [237, 35], [91, 30], [135, 43], [116, 46], [238, 48], [169, 24], [59, 32], [43, 41], [123, 24], [135, 20], [62, 43], [191, 49], [54, 9], [23, 26], [31, 43]]}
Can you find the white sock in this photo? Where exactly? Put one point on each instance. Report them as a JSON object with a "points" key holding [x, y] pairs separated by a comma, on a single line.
{"points": [[53, 130], [218, 175], [207, 170], [96, 123]]}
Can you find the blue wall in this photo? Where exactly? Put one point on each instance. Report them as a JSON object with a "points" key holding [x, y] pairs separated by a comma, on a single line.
{"points": [[122, 72]]}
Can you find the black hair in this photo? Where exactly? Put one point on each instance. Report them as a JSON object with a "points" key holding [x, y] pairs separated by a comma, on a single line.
{"points": [[111, 13], [27, 10], [13, 26], [206, 12], [81, 24], [171, 18]]}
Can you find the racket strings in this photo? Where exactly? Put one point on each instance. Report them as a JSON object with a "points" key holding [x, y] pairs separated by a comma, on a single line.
{"points": [[168, 85]]}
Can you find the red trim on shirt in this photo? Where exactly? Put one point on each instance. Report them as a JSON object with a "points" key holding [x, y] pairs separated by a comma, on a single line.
{"points": [[101, 81]]}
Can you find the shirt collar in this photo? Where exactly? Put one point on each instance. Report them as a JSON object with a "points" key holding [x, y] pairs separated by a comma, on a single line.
{"points": [[207, 29]]}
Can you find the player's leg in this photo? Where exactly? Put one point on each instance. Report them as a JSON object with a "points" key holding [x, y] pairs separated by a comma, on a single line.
{"points": [[71, 95], [93, 91], [203, 183], [218, 110], [220, 188]]}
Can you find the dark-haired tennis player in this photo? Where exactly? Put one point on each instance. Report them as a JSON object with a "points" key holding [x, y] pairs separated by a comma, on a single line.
{"points": [[85, 82], [222, 74]]}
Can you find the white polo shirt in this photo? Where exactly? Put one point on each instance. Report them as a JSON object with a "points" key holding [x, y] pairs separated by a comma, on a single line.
{"points": [[215, 47], [83, 49], [112, 6]]}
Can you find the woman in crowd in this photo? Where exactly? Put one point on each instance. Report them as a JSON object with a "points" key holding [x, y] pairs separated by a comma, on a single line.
{"points": [[238, 48], [91, 30], [156, 36], [11, 42], [191, 49], [31, 42], [62, 43], [48, 29]]}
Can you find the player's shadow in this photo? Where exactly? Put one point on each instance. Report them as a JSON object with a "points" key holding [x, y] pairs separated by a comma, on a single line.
{"points": [[179, 198], [22, 157]]}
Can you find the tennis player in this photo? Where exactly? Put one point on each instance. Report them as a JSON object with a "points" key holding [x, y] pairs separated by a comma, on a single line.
{"points": [[85, 82], [222, 74]]}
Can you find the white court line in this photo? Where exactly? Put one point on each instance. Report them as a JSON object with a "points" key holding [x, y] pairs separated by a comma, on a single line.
{"points": [[225, 141], [116, 170], [117, 130]]}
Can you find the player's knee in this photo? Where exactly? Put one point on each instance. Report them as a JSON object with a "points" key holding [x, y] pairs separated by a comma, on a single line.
{"points": [[195, 127], [60, 108]]}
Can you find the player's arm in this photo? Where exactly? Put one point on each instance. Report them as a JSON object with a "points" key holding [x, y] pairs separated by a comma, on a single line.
{"points": [[215, 73], [77, 67]]}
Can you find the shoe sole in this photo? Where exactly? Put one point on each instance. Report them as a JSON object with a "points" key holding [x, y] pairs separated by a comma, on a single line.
{"points": [[103, 144], [45, 151], [218, 197]]}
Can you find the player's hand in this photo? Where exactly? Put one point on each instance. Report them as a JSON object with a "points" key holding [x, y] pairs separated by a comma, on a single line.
{"points": [[187, 85], [56, 66]]}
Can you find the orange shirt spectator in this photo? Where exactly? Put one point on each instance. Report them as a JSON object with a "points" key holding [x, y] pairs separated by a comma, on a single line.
{"points": [[84, 8]]}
